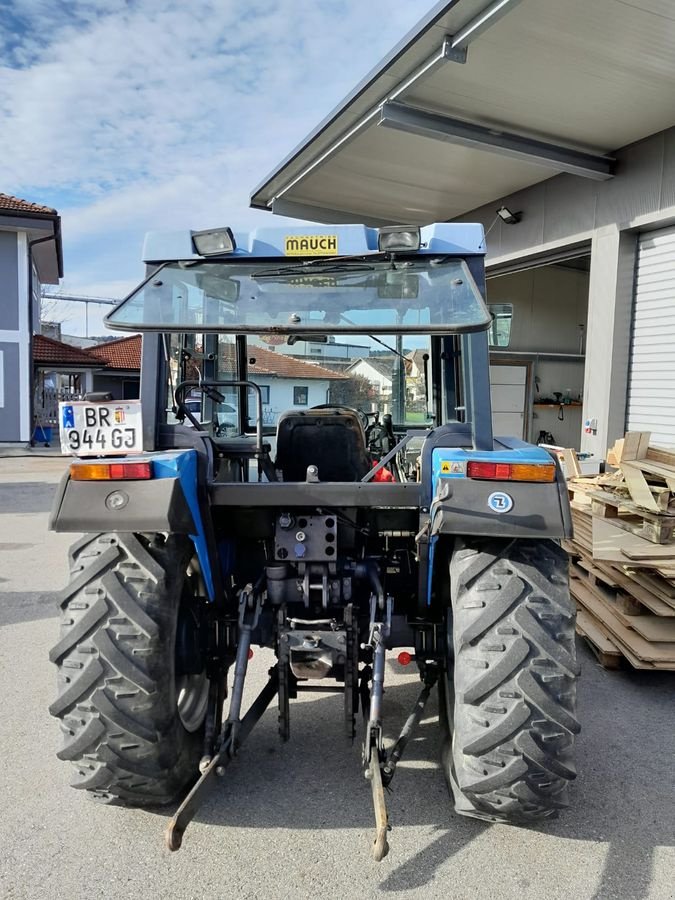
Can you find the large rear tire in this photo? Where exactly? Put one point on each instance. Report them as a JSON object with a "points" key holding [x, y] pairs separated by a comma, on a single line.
{"points": [[509, 711], [129, 727]]}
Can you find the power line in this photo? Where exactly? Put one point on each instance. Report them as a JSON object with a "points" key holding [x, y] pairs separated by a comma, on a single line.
{"points": [[71, 298]]}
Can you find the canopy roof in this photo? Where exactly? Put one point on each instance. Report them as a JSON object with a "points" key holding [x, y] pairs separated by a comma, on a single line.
{"points": [[480, 100]]}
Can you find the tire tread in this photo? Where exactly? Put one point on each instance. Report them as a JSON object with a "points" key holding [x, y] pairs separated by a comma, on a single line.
{"points": [[510, 755]]}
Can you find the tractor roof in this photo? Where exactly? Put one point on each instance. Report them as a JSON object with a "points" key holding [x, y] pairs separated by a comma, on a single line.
{"points": [[315, 240]]}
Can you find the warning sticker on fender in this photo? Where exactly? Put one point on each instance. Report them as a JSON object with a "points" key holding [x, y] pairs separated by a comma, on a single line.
{"points": [[311, 245], [452, 467]]}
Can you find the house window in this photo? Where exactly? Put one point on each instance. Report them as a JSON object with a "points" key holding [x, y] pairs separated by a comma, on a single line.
{"points": [[265, 393], [300, 396], [130, 390]]}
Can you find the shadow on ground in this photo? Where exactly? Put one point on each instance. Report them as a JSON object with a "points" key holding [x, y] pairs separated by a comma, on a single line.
{"points": [[624, 795]]}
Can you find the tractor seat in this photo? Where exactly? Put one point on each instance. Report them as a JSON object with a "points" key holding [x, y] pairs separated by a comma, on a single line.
{"points": [[331, 439]]}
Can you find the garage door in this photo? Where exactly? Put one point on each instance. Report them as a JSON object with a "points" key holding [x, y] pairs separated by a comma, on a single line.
{"points": [[651, 386]]}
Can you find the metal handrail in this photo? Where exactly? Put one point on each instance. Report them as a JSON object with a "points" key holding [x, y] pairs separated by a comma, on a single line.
{"points": [[184, 385]]}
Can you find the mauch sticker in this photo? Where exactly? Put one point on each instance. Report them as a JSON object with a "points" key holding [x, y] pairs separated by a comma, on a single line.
{"points": [[311, 245], [500, 502]]}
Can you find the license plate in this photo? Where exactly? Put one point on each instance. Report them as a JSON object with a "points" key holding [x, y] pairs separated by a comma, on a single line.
{"points": [[101, 429]]}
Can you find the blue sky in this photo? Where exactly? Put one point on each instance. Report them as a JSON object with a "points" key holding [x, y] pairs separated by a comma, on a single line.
{"points": [[145, 114]]}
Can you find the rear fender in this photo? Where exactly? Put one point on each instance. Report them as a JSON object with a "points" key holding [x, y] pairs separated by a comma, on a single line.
{"points": [[456, 505], [169, 502]]}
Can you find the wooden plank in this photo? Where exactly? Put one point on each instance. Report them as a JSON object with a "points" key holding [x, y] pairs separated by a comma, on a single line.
{"points": [[639, 489], [602, 593], [615, 453], [604, 575], [631, 599], [641, 592], [572, 467], [657, 528], [611, 543], [621, 503], [601, 608], [633, 659], [658, 586], [661, 455], [651, 551], [657, 470], [635, 445], [653, 628]]}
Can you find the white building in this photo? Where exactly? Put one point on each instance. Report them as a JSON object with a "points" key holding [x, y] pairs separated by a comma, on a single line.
{"points": [[288, 383]]}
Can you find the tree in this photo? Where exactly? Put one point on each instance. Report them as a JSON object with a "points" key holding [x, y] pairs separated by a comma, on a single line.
{"points": [[355, 391]]}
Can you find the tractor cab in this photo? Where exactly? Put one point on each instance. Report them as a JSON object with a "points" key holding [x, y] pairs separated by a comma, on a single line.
{"points": [[396, 310]]}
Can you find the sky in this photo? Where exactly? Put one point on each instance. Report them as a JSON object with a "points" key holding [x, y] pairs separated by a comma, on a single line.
{"points": [[134, 115]]}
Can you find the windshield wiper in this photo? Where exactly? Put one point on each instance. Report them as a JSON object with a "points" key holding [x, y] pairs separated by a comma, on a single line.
{"points": [[323, 265], [395, 352]]}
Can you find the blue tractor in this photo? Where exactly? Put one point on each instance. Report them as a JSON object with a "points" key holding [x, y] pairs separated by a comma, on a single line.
{"points": [[366, 515]]}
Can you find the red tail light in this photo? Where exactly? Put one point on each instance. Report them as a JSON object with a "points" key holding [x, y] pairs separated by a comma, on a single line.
{"points": [[118, 471], [511, 471]]}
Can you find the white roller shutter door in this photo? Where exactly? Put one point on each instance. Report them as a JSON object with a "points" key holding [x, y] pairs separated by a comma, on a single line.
{"points": [[651, 385]]}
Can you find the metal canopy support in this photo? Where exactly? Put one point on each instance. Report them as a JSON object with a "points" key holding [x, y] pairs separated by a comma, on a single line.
{"points": [[403, 117], [480, 23]]}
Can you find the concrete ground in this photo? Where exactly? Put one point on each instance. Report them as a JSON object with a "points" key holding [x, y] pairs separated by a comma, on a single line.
{"points": [[295, 820]]}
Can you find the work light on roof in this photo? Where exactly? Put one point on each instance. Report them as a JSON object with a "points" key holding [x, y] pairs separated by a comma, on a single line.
{"points": [[213, 241], [398, 238]]}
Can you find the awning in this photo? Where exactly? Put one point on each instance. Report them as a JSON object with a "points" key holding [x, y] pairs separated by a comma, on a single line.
{"points": [[481, 100]]}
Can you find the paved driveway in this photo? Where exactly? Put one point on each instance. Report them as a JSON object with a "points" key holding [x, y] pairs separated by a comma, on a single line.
{"points": [[295, 820]]}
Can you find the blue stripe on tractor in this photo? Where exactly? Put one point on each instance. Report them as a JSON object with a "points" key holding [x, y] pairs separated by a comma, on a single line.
{"points": [[182, 464]]}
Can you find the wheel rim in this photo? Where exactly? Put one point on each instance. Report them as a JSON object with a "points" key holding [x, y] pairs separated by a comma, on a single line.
{"points": [[192, 698]]}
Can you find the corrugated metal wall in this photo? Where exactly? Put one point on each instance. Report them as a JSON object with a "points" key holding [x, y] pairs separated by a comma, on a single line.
{"points": [[651, 386]]}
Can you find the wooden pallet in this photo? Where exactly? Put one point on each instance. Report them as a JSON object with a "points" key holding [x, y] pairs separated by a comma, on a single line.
{"points": [[605, 650], [658, 528], [583, 528], [630, 600], [612, 544], [642, 653]]}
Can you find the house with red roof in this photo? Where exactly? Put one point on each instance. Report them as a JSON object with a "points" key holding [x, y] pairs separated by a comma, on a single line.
{"points": [[287, 382], [31, 254], [66, 372]]}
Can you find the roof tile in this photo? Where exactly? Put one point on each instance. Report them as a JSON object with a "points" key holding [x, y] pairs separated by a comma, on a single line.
{"points": [[124, 353], [280, 365], [47, 351], [16, 204]]}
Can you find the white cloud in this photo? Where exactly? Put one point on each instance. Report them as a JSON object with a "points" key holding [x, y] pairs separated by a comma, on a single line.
{"points": [[145, 114]]}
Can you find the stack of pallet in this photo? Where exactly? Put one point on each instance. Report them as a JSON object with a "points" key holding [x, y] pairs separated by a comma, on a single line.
{"points": [[623, 555]]}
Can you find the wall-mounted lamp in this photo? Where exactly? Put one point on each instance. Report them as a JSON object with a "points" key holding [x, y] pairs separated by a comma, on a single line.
{"points": [[510, 218]]}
